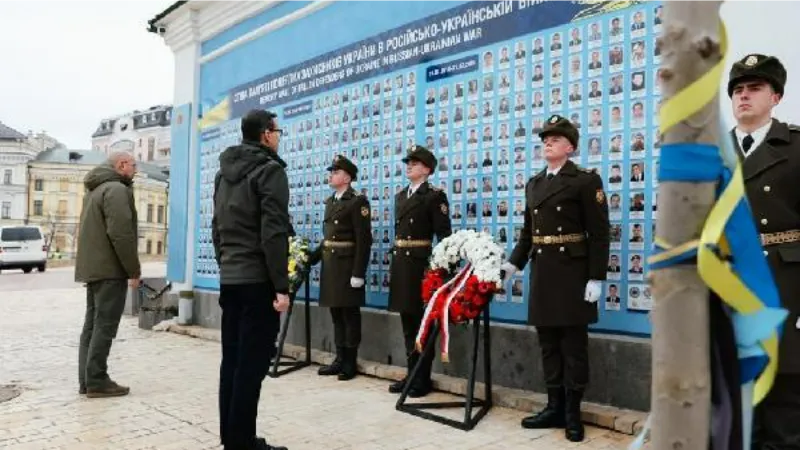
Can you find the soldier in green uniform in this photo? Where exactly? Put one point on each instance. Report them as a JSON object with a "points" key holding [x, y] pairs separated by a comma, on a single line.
{"points": [[421, 211], [770, 155], [566, 237], [344, 252]]}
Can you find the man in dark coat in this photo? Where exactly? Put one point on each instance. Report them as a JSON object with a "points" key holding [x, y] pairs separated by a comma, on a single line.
{"points": [[250, 230], [421, 212], [344, 252], [566, 236], [770, 152]]}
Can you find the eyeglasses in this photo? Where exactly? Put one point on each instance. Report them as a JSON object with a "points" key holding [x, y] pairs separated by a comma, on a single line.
{"points": [[277, 130]]}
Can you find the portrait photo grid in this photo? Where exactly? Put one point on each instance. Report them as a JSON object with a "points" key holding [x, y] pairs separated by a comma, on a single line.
{"points": [[483, 125]]}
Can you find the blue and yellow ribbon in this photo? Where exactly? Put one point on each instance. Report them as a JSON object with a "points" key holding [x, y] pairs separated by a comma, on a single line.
{"points": [[729, 254]]}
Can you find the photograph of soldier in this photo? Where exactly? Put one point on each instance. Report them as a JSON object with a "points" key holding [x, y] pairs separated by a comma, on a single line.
{"points": [[422, 212], [344, 254], [566, 237]]}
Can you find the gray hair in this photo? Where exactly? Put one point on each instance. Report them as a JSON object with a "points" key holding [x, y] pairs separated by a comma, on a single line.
{"points": [[118, 156]]}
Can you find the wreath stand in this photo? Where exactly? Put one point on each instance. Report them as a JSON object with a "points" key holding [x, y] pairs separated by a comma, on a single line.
{"points": [[485, 404], [294, 364]]}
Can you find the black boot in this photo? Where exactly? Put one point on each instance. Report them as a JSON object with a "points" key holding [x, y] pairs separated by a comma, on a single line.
{"points": [[552, 416], [422, 384], [398, 386], [574, 425], [349, 364], [335, 368]]}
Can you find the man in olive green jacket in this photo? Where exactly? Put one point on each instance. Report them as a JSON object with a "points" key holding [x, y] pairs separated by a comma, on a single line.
{"points": [[107, 261]]}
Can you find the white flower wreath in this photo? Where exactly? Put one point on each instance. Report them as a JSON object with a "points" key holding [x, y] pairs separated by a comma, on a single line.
{"points": [[477, 249], [468, 289]]}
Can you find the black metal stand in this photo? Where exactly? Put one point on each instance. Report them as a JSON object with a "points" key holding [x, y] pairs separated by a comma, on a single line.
{"points": [[295, 364], [485, 404]]}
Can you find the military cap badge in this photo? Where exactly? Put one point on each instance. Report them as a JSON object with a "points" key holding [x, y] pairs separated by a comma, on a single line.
{"points": [[554, 119], [751, 61]]}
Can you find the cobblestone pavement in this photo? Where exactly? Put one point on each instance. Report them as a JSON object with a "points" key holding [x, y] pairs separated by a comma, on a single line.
{"points": [[172, 404]]}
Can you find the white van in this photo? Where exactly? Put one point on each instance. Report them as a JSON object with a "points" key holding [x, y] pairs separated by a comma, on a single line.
{"points": [[22, 247]]}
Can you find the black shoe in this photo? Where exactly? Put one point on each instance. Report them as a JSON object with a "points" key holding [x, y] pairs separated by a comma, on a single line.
{"points": [[552, 416], [574, 426], [398, 386], [349, 364], [335, 368], [261, 444], [420, 389]]}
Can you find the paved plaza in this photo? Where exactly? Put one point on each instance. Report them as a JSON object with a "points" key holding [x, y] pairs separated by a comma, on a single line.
{"points": [[173, 379]]}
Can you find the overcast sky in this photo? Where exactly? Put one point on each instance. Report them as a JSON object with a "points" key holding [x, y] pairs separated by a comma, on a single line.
{"points": [[66, 65]]}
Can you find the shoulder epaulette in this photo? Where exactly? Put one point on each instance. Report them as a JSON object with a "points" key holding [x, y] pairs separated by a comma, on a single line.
{"points": [[795, 128]]}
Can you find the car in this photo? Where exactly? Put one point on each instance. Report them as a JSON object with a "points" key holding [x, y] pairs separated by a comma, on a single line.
{"points": [[22, 247]]}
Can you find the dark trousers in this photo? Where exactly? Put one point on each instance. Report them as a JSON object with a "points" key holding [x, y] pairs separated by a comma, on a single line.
{"points": [[565, 356], [346, 326], [250, 326], [776, 420], [105, 301], [411, 323]]}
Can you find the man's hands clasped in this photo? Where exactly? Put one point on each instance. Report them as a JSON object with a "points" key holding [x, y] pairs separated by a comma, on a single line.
{"points": [[281, 303]]}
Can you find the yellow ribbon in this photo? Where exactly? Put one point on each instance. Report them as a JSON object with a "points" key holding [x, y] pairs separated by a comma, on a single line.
{"points": [[717, 274]]}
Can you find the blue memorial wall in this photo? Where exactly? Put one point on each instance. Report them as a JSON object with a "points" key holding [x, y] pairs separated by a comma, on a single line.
{"points": [[471, 81]]}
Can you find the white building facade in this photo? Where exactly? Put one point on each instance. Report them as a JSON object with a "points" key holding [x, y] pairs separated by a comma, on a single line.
{"points": [[145, 134], [15, 153]]}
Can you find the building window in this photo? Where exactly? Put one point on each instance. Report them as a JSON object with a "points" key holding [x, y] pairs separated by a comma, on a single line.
{"points": [[37, 208], [38, 185], [62, 208], [149, 215], [149, 247], [7, 176], [64, 186], [6, 211], [151, 148], [140, 142], [159, 248], [160, 214]]}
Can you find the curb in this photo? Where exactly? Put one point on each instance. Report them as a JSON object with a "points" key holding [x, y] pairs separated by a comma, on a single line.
{"points": [[620, 420]]}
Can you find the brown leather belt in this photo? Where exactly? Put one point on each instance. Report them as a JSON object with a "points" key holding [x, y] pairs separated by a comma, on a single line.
{"points": [[411, 243], [559, 239], [338, 244], [781, 237]]}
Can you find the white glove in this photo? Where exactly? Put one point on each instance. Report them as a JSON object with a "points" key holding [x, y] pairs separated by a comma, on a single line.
{"points": [[356, 283], [593, 289], [510, 270]]}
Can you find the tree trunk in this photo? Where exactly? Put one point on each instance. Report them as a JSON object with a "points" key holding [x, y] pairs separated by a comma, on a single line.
{"points": [[681, 377]]}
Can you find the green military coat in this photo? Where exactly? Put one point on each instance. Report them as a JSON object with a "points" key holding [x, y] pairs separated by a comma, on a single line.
{"points": [[419, 218], [571, 203], [344, 252]]}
